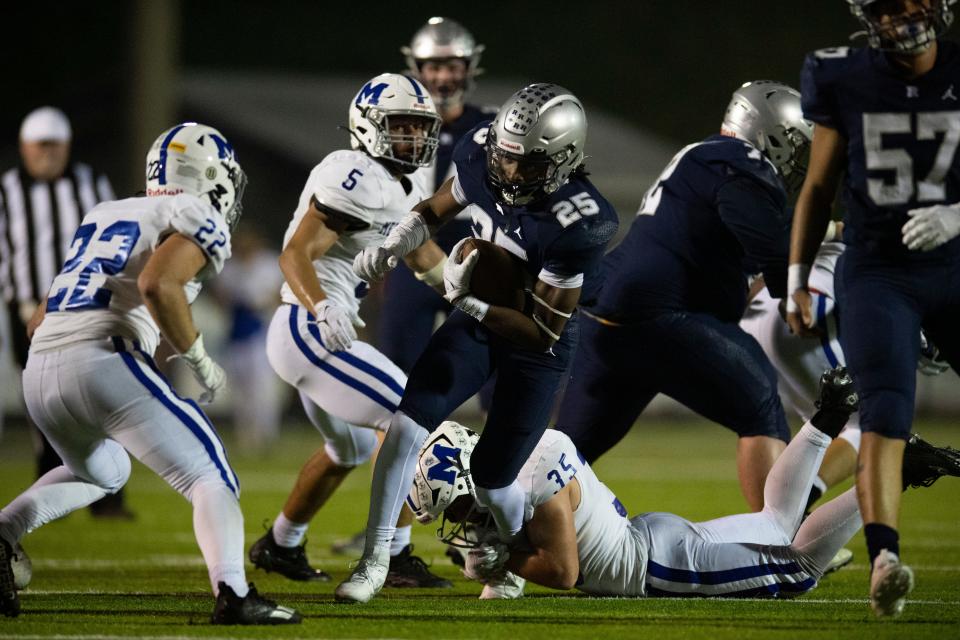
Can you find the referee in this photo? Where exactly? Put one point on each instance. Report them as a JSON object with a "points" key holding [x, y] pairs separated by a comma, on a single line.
{"points": [[42, 201]]}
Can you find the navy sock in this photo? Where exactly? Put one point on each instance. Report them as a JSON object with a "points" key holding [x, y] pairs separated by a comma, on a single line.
{"points": [[880, 536]]}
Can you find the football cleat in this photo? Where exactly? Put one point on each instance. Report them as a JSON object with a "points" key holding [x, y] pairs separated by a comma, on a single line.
{"points": [[408, 570], [352, 546], [290, 562], [836, 400], [890, 583], [9, 601], [924, 463], [367, 578], [841, 559], [22, 568], [250, 609]]}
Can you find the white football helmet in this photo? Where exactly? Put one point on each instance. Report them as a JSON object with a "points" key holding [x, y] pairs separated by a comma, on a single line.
{"points": [[768, 115], [444, 39], [443, 476], [382, 104], [540, 132], [196, 159], [911, 33]]}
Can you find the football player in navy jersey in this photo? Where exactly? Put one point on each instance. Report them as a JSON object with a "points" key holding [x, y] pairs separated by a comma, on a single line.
{"points": [[676, 287], [445, 57], [888, 119], [523, 173]]}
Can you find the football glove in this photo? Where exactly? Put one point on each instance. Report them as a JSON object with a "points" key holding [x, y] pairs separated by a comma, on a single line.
{"points": [[930, 227], [457, 272], [486, 562], [208, 373], [930, 363], [507, 586], [373, 263], [336, 329]]}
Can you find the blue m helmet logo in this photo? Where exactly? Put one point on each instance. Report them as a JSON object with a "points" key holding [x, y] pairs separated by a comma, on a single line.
{"points": [[370, 93], [445, 469]]}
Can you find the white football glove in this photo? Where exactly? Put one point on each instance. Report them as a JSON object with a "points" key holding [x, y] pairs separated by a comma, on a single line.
{"points": [[336, 330], [373, 263], [457, 273], [486, 562], [930, 363], [208, 373], [930, 227], [506, 587]]}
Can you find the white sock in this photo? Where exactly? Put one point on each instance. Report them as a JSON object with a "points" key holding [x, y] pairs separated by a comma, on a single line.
{"points": [[218, 526], [287, 533], [57, 493], [506, 504], [392, 479], [401, 538]]}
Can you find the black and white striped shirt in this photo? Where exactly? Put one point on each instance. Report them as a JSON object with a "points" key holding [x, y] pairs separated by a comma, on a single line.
{"points": [[37, 223]]}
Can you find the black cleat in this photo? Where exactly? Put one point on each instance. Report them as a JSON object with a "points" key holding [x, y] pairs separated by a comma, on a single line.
{"points": [[9, 601], [836, 400], [408, 570], [290, 562], [924, 463], [250, 609]]}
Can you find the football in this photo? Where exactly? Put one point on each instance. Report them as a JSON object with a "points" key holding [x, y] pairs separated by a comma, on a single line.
{"points": [[498, 277]]}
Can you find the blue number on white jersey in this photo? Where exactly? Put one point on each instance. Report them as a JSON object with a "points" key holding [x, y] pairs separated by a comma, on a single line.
{"points": [[105, 252]]}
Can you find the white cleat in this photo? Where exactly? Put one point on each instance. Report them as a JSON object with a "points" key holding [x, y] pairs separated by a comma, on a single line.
{"points": [[839, 561], [890, 583], [366, 580]]}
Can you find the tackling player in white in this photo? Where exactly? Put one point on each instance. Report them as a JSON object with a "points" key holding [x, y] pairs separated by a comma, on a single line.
{"points": [[349, 390], [579, 535], [91, 384]]}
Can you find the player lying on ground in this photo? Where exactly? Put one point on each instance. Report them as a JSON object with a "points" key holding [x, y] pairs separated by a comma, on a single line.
{"points": [[93, 388], [579, 534]]}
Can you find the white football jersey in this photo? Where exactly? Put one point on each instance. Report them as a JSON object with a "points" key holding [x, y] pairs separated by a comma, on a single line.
{"points": [[96, 296], [612, 553], [353, 183]]}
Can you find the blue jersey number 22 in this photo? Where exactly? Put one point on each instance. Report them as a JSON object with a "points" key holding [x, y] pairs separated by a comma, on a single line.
{"points": [[100, 252]]}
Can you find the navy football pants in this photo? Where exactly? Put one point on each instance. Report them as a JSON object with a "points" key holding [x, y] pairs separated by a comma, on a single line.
{"points": [[883, 306], [712, 367], [461, 356]]}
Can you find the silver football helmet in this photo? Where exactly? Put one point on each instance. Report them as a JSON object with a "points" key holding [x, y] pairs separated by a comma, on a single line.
{"points": [[903, 32], [439, 40], [196, 159], [442, 478], [383, 103], [535, 142], [767, 114]]}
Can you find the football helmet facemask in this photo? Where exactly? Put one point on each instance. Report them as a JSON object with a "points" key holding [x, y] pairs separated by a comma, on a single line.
{"points": [[443, 478], [196, 159], [534, 143], [393, 118], [767, 114], [902, 26], [442, 40]]}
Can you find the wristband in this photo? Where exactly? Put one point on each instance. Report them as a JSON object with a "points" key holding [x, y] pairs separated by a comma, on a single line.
{"points": [[473, 307], [797, 276], [434, 276], [196, 352]]}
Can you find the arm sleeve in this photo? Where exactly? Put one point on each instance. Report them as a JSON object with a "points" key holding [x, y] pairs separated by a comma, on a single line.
{"points": [[203, 225], [758, 220]]}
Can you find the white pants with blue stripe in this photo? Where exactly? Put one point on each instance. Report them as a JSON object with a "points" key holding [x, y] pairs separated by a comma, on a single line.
{"points": [[97, 400], [346, 394], [764, 554]]}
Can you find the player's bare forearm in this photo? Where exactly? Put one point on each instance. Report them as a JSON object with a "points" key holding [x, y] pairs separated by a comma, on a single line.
{"points": [[541, 567], [552, 559], [175, 263], [518, 328], [812, 213], [427, 262], [312, 239], [440, 207], [552, 308]]}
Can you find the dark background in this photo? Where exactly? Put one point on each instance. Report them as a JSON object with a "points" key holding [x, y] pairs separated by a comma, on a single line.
{"points": [[667, 66]]}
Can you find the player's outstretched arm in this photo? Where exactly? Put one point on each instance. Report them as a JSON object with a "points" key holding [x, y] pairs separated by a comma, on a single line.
{"points": [[427, 262], [552, 560], [441, 206], [810, 220], [314, 236]]}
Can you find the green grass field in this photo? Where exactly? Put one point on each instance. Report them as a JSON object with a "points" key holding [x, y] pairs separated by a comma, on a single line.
{"points": [[101, 579]]}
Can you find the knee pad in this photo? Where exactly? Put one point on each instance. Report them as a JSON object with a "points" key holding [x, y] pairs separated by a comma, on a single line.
{"points": [[352, 447], [109, 466]]}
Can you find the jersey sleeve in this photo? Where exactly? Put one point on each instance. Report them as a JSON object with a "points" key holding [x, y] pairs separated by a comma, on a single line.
{"points": [[470, 161], [202, 224], [558, 463], [757, 217], [350, 193], [817, 98], [578, 249]]}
